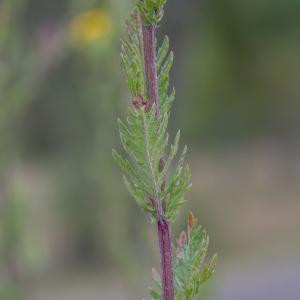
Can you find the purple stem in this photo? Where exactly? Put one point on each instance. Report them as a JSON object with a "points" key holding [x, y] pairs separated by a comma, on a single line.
{"points": [[166, 261], [150, 67], [163, 227]]}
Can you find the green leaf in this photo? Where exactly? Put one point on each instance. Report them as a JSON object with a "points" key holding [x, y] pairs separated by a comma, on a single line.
{"points": [[138, 195], [190, 271], [132, 56], [155, 295], [166, 68], [151, 11], [162, 52]]}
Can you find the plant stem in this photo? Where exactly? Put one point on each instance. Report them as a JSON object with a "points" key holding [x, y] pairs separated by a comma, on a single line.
{"points": [[163, 227], [150, 67], [165, 245]]}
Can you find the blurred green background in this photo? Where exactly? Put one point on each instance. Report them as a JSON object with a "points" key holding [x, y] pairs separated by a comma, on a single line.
{"points": [[68, 229]]}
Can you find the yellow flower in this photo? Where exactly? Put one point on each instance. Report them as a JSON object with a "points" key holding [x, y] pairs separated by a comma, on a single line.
{"points": [[91, 26]]}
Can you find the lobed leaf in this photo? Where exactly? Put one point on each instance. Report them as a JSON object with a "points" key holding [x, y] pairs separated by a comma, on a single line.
{"points": [[190, 271], [162, 52]]}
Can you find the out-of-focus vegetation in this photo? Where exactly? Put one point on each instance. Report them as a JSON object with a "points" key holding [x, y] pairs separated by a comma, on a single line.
{"points": [[63, 208]]}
